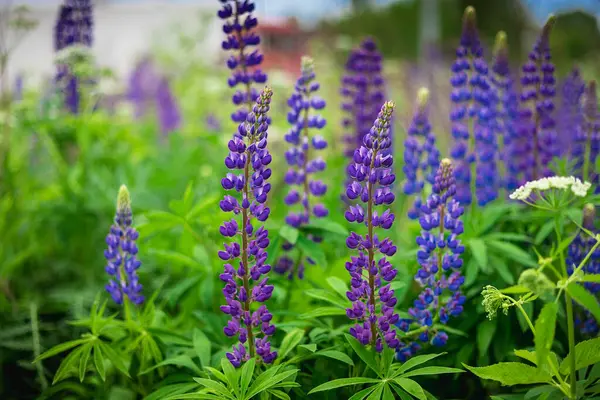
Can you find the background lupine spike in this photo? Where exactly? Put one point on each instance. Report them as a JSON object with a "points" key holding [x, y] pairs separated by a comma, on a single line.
{"points": [[440, 262], [303, 189], [587, 143], [248, 283], [169, 115], [371, 175], [570, 126], [589, 216]]}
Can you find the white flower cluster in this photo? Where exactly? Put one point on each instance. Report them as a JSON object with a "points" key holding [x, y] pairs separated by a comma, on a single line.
{"points": [[555, 182]]}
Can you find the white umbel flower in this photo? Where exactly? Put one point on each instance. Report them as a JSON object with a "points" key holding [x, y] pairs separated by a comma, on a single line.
{"points": [[578, 187]]}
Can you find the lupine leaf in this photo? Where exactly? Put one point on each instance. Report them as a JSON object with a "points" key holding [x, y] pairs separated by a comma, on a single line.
{"points": [[290, 341], [60, 348], [312, 250], [585, 298], [479, 251], [309, 347], [545, 326], [339, 286], [376, 394], [337, 355], [114, 358], [179, 361], [401, 393], [337, 383], [279, 394], [432, 371], [215, 386], [99, 362], [170, 390], [513, 252], [511, 373], [387, 393], [83, 361], [365, 354], [413, 362], [68, 365], [587, 353], [289, 234], [280, 377], [247, 372], [363, 393], [202, 347], [323, 312], [329, 297], [537, 392], [411, 387], [230, 373], [324, 224]]}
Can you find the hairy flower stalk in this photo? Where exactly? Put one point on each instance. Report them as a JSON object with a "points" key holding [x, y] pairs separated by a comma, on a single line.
{"points": [[121, 254], [421, 156], [298, 157], [581, 245], [537, 105], [371, 175], [247, 285], [440, 261], [587, 139], [363, 92], [244, 62], [570, 113], [505, 103], [474, 149]]}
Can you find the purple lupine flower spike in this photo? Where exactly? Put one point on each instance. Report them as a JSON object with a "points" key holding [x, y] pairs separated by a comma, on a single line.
{"points": [[578, 249], [439, 257], [506, 109], [299, 157], [421, 156], [471, 105], [371, 175], [587, 140], [245, 272], [537, 105], [244, 62], [121, 254], [169, 116], [570, 112]]}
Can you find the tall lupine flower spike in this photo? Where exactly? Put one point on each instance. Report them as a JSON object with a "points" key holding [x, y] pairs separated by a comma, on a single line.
{"points": [[301, 164], [570, 112], [121, 254], [244, 62], [421, 157], [470, 97], [363, 92], [537, 105], [372, 299], [169, 116], [246, 282], [578, 249], [587, 139], [440, 263], [505, 104]]}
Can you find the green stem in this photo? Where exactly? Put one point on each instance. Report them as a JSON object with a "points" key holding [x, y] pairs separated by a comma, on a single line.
{"points": [[35, 333]]}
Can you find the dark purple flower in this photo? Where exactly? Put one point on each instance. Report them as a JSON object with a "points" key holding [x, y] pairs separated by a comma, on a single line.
{"points": [[244, 60], [121, 254], [586, 145], [440, 261], [570, 112], [169, 116], [142, 86], [373, 300], [245, 272], [421, 156]]}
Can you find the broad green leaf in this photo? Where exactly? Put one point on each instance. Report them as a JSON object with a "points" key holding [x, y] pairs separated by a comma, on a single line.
{"points": [[485, 334], [511, 373], [290, 341], [595, 278], [479, 251], [538, 393], [246, 376], [312, 250], [309, 347], [323, 312], [99, 362], [114, 358], [279, 394], [365, 354], [387, 393], [411, 387], [432, 371], [174, 257], [289, 234], [587, 353], [215, 386], [585, 298], [230, 373], [270, 382], [217, 374], [512, 252], [516, 289], [202, 347], [413, 362], [337, 355], [83, 361], [376, 394], [60, 348], [401, 393], [324, 224], [329, 297], [545, 326], [181, 360], [339, 286], [337, 383], [363, 393]]}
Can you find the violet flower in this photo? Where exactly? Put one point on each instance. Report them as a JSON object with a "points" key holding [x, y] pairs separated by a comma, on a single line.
{"points": [[587, 139], [421, 156], [245, 273], [142, 86], [169, 116], [537, 105], [372, 174], [121, 255], [578, 249], [440, 261], [243, 62], [302, 164], [570, 112]]}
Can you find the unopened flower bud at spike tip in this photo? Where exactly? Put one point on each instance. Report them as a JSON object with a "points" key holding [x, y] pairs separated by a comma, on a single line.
{"points": [[470, 16], [307, 63], [589, 215], [423, 97], [446, 162], [123, 199], [500, 45], [547, 29]]}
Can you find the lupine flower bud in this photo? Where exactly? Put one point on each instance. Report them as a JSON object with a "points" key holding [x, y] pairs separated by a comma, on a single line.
{"points": [[302, 165], [471, 102], [121, 254], [371, 176], [421, 157], [537, 106], [440, 261], [245, 271], [578, 249], [244, 63]]}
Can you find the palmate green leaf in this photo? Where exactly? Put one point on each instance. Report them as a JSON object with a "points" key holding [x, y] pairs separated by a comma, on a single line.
{"points": [[401, 393], [114, 358], [312, 250], [413, 362], [215, 386], [411, 387], [545, 326], [279, 394], [246, 375], [99, 362], [336, 355], [289, 234], [231, 374], [326, 225], [376, 394], [61, 347], [83, 361], [270, 382], [202, 347], [338, 383], [178, 361], [290, 341], [511, 373], [432, 371], [361, 395], [587, 353], [218, 374], [387, 393], [323, 312], [329, 297], [171, 390], [68, 365], [365, 354], [585, 298], [479, 252], [511, 251], [340, 287]]}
